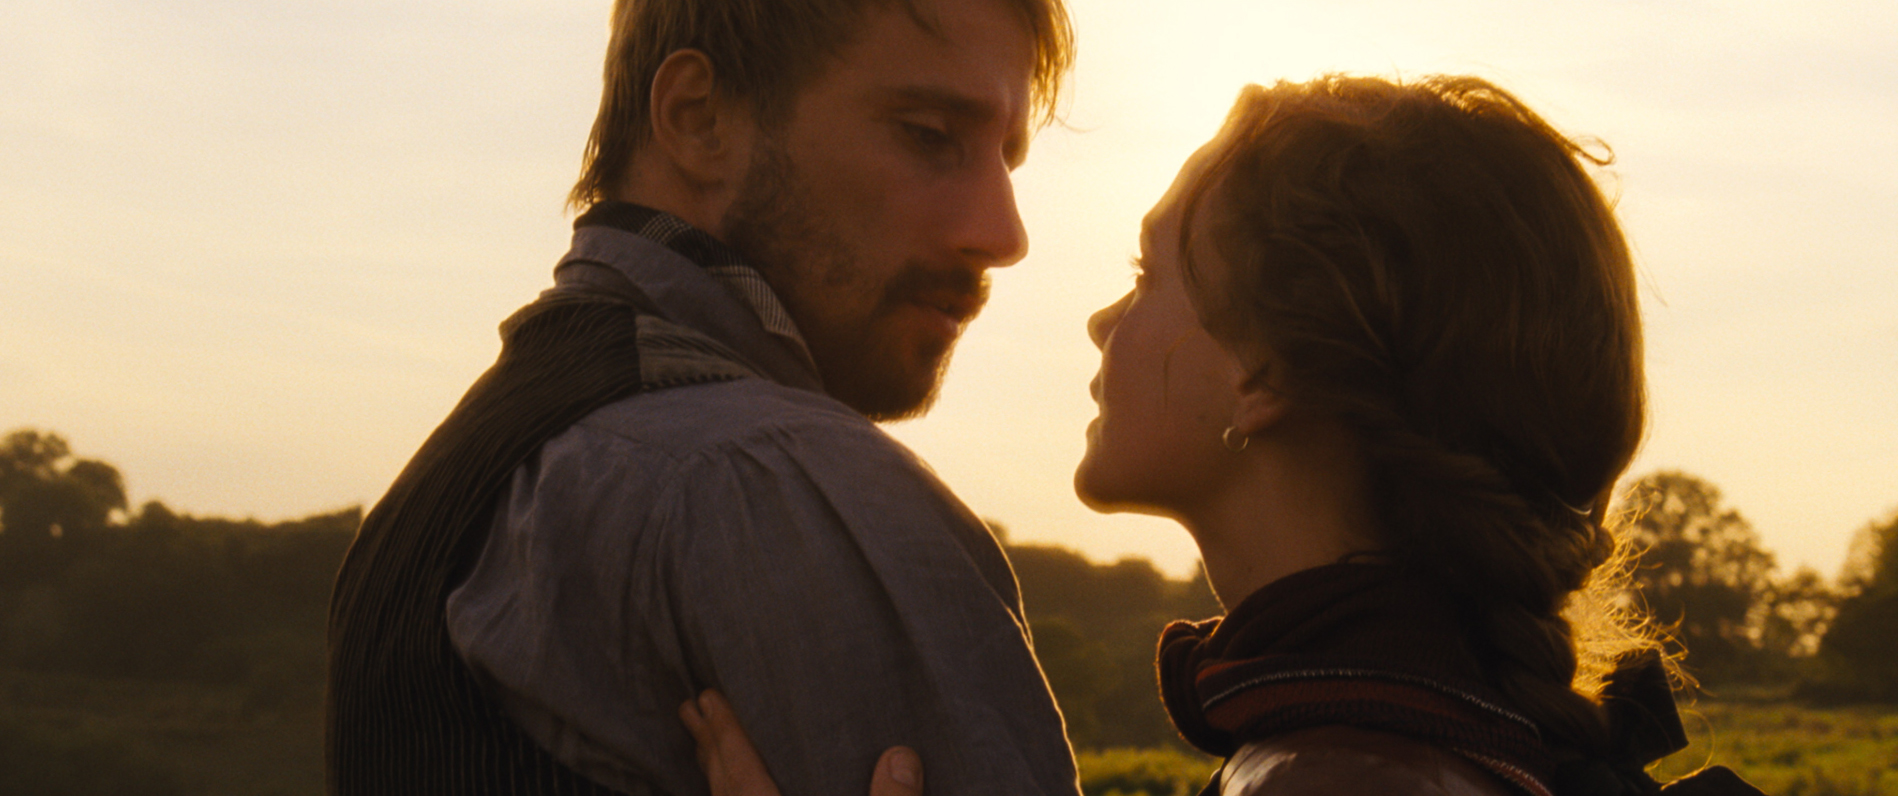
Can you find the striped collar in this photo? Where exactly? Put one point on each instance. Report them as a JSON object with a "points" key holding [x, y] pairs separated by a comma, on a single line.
{"points": [[707, 252]]}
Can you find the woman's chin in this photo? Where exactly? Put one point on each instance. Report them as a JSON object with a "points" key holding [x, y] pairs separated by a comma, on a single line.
{"points": [[1088, 482], [1102, 493], [1094, 503]]}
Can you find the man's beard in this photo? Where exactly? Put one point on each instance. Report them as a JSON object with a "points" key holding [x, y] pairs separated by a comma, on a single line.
{"points": [[815, 271]]}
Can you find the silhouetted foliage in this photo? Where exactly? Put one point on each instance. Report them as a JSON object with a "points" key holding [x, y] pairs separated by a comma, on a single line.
{"points": [[169, 596], [1701, 567], [1096, 629], [46, 494], [1080, 669], [217, 625], [1799, 610], [1860, 651]]}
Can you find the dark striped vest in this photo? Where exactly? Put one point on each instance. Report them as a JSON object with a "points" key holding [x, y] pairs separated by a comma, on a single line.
{"points": [[405, 715]]}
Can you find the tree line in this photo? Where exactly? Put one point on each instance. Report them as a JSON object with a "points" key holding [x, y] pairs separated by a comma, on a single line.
{"points": [[89, 586], [1703, 575]]}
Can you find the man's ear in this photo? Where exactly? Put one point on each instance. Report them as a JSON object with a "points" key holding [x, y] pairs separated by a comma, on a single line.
{"points": [[1262, 403], [705, 133]]}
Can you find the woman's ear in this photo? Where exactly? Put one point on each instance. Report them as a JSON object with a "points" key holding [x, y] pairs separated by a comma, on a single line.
{"points": [[1262, 402], [705, 134]]}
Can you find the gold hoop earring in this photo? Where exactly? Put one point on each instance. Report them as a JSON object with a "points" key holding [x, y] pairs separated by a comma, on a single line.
{"points": [[1226, 440]]}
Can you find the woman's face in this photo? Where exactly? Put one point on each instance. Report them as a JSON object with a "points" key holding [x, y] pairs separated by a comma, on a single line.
{"points": [[1166, 389]]}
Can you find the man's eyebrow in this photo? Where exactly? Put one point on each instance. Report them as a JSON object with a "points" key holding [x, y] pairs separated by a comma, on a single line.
{"points": [[947, 100]]}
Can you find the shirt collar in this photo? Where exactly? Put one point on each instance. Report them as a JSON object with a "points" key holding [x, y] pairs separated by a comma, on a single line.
{"points": [[709, 253], [662, 228]]}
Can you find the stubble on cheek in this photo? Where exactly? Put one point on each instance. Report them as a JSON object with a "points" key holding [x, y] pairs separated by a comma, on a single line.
{"points": [[842, 312]]}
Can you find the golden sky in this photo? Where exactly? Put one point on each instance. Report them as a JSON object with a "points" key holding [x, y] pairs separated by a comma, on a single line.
{"points": [[252, 252]]}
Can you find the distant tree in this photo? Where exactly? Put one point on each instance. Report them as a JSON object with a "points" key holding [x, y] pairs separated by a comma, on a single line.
{"points": [[1700, 567], [1865, 554], [46, 493], [1081, 672], [997, 529], [1860, 650], [164, 595], [117, 614], [154, 516], [1096, 627], [26, 454], [1798, 610], [42, 485]]}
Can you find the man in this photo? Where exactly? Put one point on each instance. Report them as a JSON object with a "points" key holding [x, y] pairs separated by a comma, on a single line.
{"points": [[670, 482]]}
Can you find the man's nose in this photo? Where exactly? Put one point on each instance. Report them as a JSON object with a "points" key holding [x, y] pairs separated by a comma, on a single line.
{"points": [[1102, 323], [991, 234]]}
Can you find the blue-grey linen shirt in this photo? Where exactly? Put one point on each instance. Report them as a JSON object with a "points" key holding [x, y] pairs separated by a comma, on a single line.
{"points": [[758, 537]]}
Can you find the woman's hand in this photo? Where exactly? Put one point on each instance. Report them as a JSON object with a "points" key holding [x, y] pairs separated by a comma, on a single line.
{"points": [[733, 767]]}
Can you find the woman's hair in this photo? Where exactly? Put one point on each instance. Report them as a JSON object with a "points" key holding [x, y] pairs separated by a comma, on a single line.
{"points": [[1430, 263]]}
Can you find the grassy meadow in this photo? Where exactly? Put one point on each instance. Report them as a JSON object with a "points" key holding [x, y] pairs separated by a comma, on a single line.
{"points": [[77, 735], [1785, 748], [65, 735], [1791, 749]]}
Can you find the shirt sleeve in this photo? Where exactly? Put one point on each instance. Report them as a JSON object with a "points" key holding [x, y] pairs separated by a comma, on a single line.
{"points": [[814, 571], [846, 602]]}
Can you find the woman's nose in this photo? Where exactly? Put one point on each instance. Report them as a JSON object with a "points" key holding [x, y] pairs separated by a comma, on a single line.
{"points": [[1102, 323]]}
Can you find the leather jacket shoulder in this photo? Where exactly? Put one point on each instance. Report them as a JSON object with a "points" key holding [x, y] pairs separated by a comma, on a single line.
{"points": [[1335, 761]]}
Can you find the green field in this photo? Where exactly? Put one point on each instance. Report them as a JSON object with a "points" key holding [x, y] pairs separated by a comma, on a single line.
{"points": [[63, 735], [83, 735], [1785, 748], [1788, 749]]}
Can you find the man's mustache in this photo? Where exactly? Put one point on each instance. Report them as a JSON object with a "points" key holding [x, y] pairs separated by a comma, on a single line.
{"points": [[961, 292]]}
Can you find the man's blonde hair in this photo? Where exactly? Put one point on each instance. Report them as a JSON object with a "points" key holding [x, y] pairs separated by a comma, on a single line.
{"points": [[763, 51]]}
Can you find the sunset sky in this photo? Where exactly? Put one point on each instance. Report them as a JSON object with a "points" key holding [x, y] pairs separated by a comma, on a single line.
{"points": [[252, 252]]}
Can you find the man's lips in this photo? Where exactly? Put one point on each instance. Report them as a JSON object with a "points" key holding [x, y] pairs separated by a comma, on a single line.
{"points": [[959, 307], [956, 294]]}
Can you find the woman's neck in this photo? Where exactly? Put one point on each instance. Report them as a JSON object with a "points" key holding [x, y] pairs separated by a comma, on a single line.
{"points": [[1292, 507], [1241, 557]]}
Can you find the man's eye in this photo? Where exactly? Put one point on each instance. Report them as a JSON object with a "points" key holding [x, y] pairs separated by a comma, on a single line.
{"points": [[928, 137]]}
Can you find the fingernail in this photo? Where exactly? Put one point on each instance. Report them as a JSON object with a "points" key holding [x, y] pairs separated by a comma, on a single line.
{"points": [[906, 769]]}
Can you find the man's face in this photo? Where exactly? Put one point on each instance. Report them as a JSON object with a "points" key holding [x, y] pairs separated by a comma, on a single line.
{"points": [[875, 211]]}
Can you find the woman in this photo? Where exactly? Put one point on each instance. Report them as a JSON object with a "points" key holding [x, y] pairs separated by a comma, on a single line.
{"points": [[1383, 362]]}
